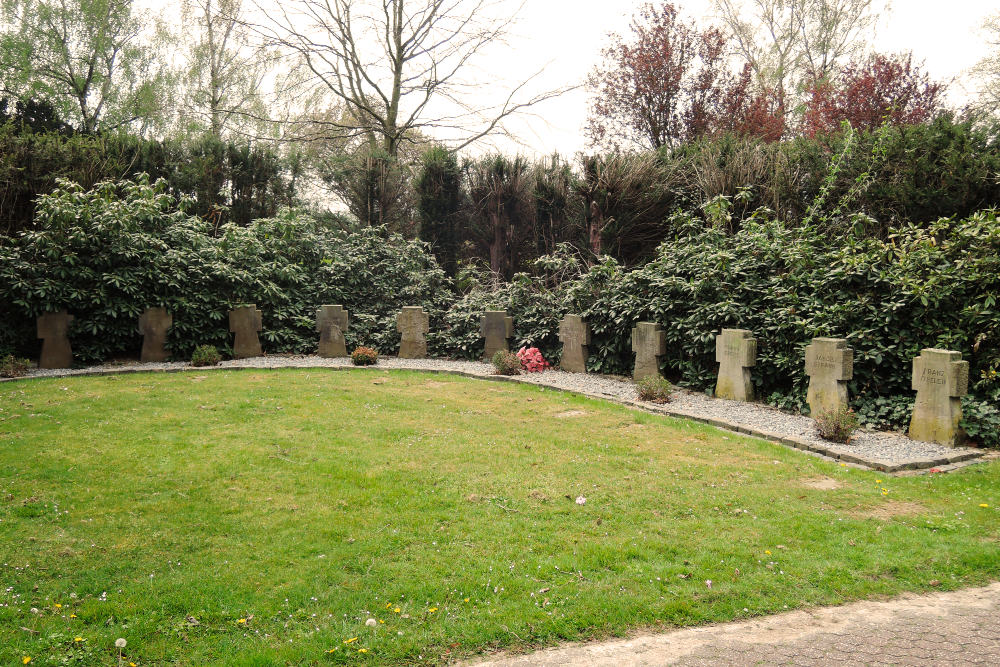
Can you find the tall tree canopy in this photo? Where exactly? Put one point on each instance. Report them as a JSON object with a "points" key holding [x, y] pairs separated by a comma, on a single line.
{"points": [[792, 43], [659, 86], [398, 66], [94, 61], [867, 93]]}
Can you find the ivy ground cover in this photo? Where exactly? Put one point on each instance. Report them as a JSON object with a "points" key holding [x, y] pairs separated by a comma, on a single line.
{"points": [[310, 517]]}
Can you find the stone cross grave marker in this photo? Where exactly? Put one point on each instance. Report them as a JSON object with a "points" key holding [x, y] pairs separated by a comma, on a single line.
{"points": [[575, 336], [496, 328], [413, 325], [829, 365], [332, 323], [649, 342], [53, 329], [153, 325], [245, 322], [736, 352], [941, 379]]}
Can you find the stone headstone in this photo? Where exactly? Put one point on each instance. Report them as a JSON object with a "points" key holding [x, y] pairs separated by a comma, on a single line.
{"points": [[153, 325], [245, 322], [649, 342], [413, 325], [332, 323], [53, 329], [829, 365], [941, 379], [736, 352], [575, 336], [496, 328]]}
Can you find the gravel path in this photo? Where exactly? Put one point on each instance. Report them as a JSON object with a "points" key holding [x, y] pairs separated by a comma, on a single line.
{"points": [[886, 451]]}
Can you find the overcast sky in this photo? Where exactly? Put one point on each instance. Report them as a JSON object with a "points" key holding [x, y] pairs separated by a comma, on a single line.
{"points": [[564, 39], [566, 36]]}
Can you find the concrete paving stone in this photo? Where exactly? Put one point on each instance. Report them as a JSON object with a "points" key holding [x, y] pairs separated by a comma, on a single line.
{"points": [[954, 628]]}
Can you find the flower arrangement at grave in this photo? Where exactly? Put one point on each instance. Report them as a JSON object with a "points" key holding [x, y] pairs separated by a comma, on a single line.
{"points": [[532, 360]]}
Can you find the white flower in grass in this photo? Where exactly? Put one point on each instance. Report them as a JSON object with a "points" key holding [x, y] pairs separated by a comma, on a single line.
{"points": [[371, 622], [580, 500], [120, 642]]}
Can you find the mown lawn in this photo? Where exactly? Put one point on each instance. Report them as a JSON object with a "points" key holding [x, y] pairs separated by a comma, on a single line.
{"points": [[262, 517]]}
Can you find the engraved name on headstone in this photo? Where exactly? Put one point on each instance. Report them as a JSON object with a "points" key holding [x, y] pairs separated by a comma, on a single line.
{"points": [[736, 352], [413, 325], [941, 379], [829, 365], [245, 321], [649, 342], [153, 325], [332, 323], [575, 336], [496, 328]]}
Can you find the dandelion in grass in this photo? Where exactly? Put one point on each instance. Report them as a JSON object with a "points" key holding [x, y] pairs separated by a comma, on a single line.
{"points": [[351, 640], [242, 621], [120, 644], [371, 623], [25, 660], [362, 650], [983, 505], [432, 610]]}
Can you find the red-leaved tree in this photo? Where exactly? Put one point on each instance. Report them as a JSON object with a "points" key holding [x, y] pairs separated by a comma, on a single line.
{"points": [[662, 86], [866, 93]]}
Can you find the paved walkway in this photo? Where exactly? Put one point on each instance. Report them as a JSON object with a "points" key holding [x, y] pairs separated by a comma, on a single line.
{"points": [[958, 628]]}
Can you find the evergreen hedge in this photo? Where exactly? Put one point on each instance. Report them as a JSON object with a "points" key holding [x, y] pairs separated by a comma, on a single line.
{"points": [[107, 253]]}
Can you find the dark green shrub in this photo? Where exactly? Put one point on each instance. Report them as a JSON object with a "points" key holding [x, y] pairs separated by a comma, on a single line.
{"points": [[107, 253], [654, 389], [884, 412], [837, 425], [205, 355], [13, 367], [981, 422], [506, 362], [364, 356]]}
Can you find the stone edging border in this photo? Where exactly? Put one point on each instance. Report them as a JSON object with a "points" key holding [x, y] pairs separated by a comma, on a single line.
{"points": [[946, 463]]}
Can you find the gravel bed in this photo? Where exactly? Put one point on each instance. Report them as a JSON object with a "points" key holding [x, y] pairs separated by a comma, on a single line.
{"points": [[887, 451]]}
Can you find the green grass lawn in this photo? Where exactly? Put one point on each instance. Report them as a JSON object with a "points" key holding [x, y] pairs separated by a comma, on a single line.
{"points": [[262, 517]]}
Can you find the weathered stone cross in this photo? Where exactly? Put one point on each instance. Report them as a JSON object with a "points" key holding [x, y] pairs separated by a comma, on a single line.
{"points": [[245, 321], [736, 352], [413, 325], [829, 365], [496, 328], [649, 342], [575, 336], [53, 329], [941, 379], [153, 325], [332, 323]]}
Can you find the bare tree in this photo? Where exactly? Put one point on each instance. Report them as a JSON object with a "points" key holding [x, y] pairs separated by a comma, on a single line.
{"points": [[987, 70], [793, 43], [398, 66], [225, 73]]}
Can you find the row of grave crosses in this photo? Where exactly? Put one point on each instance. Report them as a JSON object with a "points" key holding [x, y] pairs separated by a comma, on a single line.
{"points": [[940, 377], [245, 322]]}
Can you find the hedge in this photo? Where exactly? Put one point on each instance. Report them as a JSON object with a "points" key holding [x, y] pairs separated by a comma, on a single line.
{"points": [[108, 253]]}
